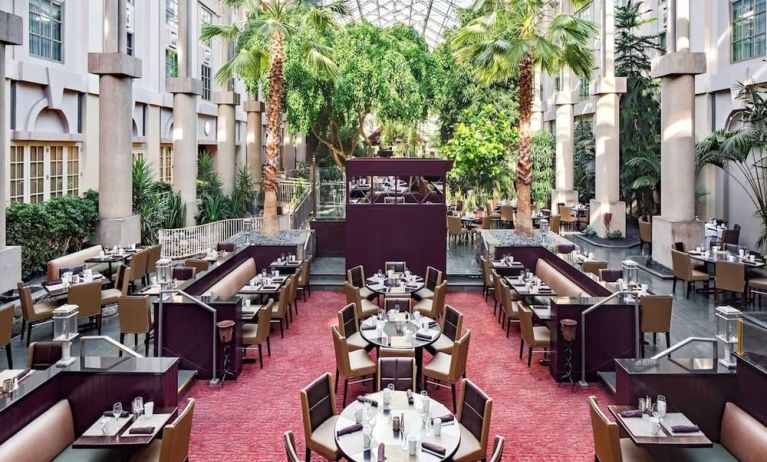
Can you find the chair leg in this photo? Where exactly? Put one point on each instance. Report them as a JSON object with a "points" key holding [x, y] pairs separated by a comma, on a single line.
{"points": [[336, 387], [452, 388], [122, 340], [346, 388], [282, 330], [29, 332], [135, 341], [673, 285], [23, 327], [268, 347], [529, 356], [508, 326], [521, 347], [98, 323], [9, 356], [146, 344], [668, 339], [308, 455], [654, 339], [260, 358]]}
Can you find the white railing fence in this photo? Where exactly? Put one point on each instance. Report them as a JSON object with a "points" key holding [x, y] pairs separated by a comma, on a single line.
{"points": [[185, 242]]}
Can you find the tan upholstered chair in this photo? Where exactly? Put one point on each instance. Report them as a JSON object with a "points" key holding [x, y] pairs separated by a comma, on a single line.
{"points": [[290, 447], [757, 286], [448, 368], [396, 266], [474, 414], [356, 278], [6, 328], [511, 305], [304, 275], [610, 274], [433, 307], [566, 217], [318, 408], [280, 311], [87, 296], [398, 302], [155, 252], [431, 280], [507, 216], [681, 266], [293, 292], [452, 327], [455, 230], [730, 277], [135, 318], [497, 293], [593, 267], [608, 445], [353, 365], [199, 265], [42, 355], [399, 371], [33, 313], [554, 224], [656, 317], [490, 210], [537, 338], [349, 327], [730, 236], [174, 444], [488, 285], [487, 223], [498, 449], [139, 264], [122, 286], [384, 352], [257, 334], [364, 307], [645, 236]]}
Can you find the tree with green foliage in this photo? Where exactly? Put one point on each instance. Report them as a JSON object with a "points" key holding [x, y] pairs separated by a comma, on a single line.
{"points": [[508, 40], [585, 148], [543, 151], [155, 203], [640, 110]]}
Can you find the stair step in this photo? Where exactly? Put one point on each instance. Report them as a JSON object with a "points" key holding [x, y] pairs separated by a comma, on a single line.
{"points": [[608, 378], [185, 380]]}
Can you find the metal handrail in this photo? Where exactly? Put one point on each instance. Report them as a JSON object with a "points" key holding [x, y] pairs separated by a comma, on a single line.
{"points": [[583, 383], [109, 340], [687, 341], [214, 380]]}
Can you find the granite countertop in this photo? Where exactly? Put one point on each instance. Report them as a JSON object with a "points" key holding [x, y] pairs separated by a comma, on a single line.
{"points": [[511, 238], [289, 237]]}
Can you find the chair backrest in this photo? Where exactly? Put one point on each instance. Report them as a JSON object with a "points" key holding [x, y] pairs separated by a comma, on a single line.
{"points": [[509, 307], [225, 247], [645, 231], [183, 273], [610, 275], [398, 371], [293, 284], [356, 276], [607, 445], [176, 436], [454, 225], [264, 321], [341, 349], [290, 446], [6, 324], [139, 263], [87, 296], [306, 271], [453, 323], [124, 279], [526, 324], [398, 303], [554, 223], [134, 314], [487, 276], [681, 265], [565, 248], [475, 410], [730, 236], [593, 267], [730, 276], [384, 352], [348, 323], [198, 264], [282, 302], [498, 449], [507, 213], [656, 313], [565, 212], [353, 297], [318, 404], [396, 266], [679, 246], [487, 222], [459, 356], [42, 355], [155, 252], [433, 277], [25, 298], [438, 302]]}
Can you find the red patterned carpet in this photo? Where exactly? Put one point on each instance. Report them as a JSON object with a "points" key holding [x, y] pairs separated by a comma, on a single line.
{"points": [[245, 420]]}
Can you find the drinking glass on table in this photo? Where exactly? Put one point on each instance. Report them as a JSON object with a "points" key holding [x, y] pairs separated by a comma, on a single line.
{"points": [[425, 403], [137, 406], [661, 403], [117, 409]]}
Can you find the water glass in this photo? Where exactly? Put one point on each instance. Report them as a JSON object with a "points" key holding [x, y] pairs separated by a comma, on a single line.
{"points": [[367, 432], [117, 409], [148, 409], [137, 406], [661, 404], [425, 402], [358, 413], [642, 408]]}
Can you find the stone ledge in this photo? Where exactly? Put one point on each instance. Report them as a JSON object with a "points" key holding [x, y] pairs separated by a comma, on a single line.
{"points": [[184, 85], [607, 85], [11, 29], [566, 97], [231, 98], [116, 64], [680, 63], [253, 106]]}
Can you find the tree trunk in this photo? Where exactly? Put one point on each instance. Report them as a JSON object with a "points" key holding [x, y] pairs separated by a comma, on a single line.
{"points": [[271, 225], [524, 223]]}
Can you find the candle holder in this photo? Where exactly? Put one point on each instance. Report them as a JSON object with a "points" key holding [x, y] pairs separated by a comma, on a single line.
{"points": [[727, 331], [569, 330], [64, 331]]}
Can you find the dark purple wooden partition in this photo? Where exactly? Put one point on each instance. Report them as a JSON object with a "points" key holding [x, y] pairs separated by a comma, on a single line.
{"points": [[412, 232]]}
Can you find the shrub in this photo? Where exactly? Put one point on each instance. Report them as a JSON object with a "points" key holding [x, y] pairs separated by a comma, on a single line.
{"points": [[588, 231], [47, 230], [617, 234]]}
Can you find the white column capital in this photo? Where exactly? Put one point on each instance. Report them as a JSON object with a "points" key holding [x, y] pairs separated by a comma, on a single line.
{"points": [[562, 98], [678, 63], [607, 85], [230, 98], [11, 29]]}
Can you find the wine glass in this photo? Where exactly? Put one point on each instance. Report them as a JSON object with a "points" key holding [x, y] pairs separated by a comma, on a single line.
{"points": [[661, 403], [425, 403], [117, 410]]}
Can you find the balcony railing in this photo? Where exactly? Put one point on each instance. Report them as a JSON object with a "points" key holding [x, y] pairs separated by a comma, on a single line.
{"points": [[194, 240]]}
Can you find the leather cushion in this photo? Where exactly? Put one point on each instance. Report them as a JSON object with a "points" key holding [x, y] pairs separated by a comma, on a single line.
{"points": [[71, 454], [230, 284], [443, 344], [44, 355], [110, 296], [360, 363], [630, 452], [469, 450], [356, 342], [397, 371], [717, 453], [43, 438], [318, 398], [323, 439], [559, 283], [743, 435], [76, 258], [438, 367]]}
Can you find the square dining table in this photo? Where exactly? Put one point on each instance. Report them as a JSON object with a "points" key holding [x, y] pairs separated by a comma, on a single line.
{"points": [[122, 438], [640, 431]]}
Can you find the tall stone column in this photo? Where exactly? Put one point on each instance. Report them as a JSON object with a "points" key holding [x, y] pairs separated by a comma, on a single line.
{"points": [[607, 89], [116, 70], [227, 100], [11, 33], [185, 90], [677, 70], [254, 136], [565, 99]]}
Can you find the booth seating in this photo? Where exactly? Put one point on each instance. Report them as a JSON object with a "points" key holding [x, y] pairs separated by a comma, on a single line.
{"points": [[742, 438], [559, 283], [230, 284], [49, 437], [74, 259]]}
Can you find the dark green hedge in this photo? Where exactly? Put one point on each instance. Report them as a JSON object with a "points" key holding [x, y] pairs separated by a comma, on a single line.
{"points": [[47, 230]]}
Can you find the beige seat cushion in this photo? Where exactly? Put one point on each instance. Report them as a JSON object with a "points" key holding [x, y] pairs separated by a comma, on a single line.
{"points": [[367, 293], [43, 438], [249, 333], [425, 307], [700, 276], [110, 296], [439, 367], [424, 293], [323, 439], [356, 342], [368, 308], [230, 284], [633, 453], [559, 283], [469, 450], [148, 453], [758, 283], [76, 258], [361, 363], [542, 336], [44, 309], [443, 344]]}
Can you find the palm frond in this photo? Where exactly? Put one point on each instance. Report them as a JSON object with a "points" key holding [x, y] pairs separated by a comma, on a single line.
{"points": [[226, 32]]}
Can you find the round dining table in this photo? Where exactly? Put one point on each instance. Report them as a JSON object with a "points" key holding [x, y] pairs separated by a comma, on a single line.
{"points": [[385, 285], [393, 335], [380, 419]]}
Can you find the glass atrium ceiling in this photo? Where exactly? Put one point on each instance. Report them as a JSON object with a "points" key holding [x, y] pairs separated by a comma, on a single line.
{"points": [[429, 17]]}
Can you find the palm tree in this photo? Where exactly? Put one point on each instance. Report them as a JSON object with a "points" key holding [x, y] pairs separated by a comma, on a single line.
{"points": [[508, 39], [269, 24]]}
